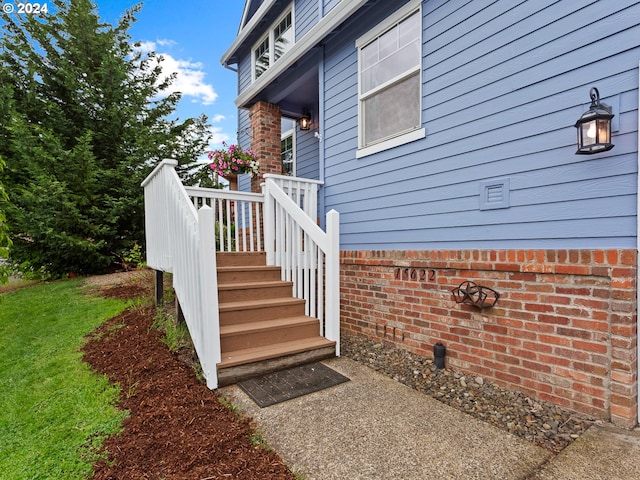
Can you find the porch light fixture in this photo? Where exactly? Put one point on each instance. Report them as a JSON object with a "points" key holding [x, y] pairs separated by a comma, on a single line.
{"points": [[594, 127], [305, 120]]}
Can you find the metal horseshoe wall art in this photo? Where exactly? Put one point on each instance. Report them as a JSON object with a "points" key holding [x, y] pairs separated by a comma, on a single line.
{"points": [[471, 293]]}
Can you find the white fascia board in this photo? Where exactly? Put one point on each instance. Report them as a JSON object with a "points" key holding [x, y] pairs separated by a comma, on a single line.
{"points": [[325, 26], [245, 12], [248, 28]]}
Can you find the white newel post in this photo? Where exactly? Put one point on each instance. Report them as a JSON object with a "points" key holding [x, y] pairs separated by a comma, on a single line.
{"points": [[209, 295], [333, 279], [269, 224]]}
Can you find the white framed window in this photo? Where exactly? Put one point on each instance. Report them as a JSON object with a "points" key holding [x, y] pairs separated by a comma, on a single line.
{"points": [[288, 153], [261, 60], [390, 82], [278, 40]]}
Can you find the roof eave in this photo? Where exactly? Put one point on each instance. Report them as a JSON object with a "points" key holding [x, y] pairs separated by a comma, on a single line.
{"points": [[227, 57], [317, 33]]}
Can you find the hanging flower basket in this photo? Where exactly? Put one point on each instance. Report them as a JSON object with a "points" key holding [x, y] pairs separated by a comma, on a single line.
{"points": [[232, 160]]}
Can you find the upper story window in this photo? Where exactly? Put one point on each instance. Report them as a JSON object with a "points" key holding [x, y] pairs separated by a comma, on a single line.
{"points": [[389, 82], [278, 40]]}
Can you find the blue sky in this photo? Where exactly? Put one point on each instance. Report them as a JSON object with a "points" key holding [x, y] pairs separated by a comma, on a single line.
{"points": [[192, 35]]}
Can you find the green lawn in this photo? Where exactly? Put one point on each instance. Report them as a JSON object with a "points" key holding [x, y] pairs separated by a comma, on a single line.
{"points": [[54, 410]]}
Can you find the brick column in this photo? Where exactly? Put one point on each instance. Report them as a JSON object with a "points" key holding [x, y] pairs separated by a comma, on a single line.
{"points": [[265, 139]]}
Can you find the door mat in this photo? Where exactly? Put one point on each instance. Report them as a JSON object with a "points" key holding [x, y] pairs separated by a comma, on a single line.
{"points": [[294, 382]]}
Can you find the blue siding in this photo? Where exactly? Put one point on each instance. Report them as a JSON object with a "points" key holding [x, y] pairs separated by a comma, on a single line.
{"points": [[329, 4], [307, 153], [503, 84], [244, 129], [306, 12], [244, 80], [244, 73]]}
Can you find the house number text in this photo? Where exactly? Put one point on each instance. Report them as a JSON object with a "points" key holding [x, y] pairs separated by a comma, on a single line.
{"points": [[415, 274]]}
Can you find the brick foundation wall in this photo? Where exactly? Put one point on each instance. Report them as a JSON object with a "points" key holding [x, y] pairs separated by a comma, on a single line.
{"points": [[563, 330]]}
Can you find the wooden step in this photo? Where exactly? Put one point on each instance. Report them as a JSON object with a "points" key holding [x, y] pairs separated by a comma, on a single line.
{"points": [[247, 273], [263, 328], [230, 374], [309, 349], [256, 310], [230, 259], [236, 292], [267, 332]]}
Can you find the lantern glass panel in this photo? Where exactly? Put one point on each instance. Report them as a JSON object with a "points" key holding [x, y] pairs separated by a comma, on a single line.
{"points": [[603, 130], [588, 133]]}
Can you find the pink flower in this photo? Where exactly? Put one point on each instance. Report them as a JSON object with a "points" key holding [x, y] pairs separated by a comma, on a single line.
{"points": [[233, 159]]}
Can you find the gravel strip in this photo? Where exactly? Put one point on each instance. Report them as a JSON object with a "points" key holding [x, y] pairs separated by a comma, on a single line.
{"points": [[540, 422], [119, 278]]}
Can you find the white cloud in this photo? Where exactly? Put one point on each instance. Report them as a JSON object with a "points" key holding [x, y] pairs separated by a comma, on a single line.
{"points": [[190, 79], [145, 46], [190, 76], [218, 136], [166, 43]]}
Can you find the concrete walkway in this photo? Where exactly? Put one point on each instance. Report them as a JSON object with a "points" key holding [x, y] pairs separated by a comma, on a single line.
{"points": [[376, 428]]}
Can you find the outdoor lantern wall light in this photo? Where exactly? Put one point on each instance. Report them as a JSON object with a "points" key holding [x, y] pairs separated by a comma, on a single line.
{"points": [[594, 127], [305, 120]]}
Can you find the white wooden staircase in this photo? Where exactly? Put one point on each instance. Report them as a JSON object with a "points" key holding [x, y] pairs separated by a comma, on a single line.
{"points": [[262, 326], [243, 319]]}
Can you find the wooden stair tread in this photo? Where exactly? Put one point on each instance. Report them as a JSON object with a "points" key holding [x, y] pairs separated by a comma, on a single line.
{"points": [[240, 328], [250, 285], [244, 268], [263, 327], [241, 258], [260, 303], [257, 354]]}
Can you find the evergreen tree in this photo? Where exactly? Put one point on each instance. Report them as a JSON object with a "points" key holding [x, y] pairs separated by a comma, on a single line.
{"points": [[4, 234], [84, 119]]}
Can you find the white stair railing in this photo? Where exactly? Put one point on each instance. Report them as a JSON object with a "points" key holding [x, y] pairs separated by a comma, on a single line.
{"points": [[180, 239], [183, 225], [303, 192], [308, 257], [239, 217]]}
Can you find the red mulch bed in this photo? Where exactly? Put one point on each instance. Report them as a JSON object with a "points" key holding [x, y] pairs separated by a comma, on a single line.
{"points": [[177, 427]]}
